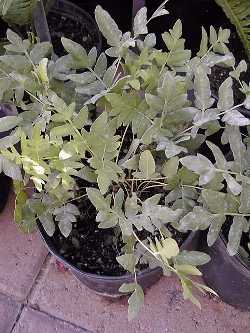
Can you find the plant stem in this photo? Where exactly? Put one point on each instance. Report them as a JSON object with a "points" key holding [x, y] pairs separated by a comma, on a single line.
{"points": [[123, 137], [195, 125], [97, 76]]}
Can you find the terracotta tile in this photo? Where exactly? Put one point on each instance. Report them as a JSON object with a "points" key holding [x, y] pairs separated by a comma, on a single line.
{"points": [[61, 295], [33, 321], [9, 310], [21, 256]]}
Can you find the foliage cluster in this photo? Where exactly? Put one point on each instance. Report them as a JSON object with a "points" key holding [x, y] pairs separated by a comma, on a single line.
{"points": [[130, 122]]}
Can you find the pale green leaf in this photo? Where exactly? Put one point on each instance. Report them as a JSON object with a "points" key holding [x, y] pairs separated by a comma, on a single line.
{"points": [[201, 165], [232, 184], [101, 65], [244, 199], [140, 22], [97, 199], [235, 233], [48, 224], [40, 51], [226, 97], [170, 248], [127, 287], [128, 262], [147, 164], [65, 227], [203, 44], [188, 270], [170, 167], [194, 258], [9, 122], [10, 169], [135, 302], [198, 219], [235, 118], [221, 162], [107, 26], [214, 229], [76, 51]]}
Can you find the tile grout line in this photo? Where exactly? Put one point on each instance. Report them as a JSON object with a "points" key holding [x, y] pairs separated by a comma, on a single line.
{"points": [[42, 272], [24, 303], [58, 318], [17, 317]]}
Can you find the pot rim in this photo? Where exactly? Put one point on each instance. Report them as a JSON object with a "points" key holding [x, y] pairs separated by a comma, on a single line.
{"points": [[144, 272], [81, 12]]}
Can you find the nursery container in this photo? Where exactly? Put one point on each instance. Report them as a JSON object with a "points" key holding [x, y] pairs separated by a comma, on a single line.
{"points": [[65, 19], [109, 285], [228, 275]]}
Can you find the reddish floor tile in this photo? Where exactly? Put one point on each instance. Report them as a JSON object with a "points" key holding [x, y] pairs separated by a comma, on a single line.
{"points": [[61, 295], [33, 321], [9, 310], [21, 256]]}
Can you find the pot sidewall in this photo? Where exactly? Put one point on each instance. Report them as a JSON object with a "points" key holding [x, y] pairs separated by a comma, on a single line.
{"points": [[109, 285], [227, 275]]}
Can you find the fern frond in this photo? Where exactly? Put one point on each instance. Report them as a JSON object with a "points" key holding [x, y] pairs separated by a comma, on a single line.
{"points": [[17, 11], [238, 12]]}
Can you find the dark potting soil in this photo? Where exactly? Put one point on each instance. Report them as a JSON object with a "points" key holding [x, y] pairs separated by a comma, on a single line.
{"points": [[79, 30], [95, 250]]}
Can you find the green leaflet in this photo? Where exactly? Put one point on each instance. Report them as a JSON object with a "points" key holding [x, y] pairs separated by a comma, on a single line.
{"points": [[76, 51], [128, 262], [226, 98], [203, 99], [9, 122], [235, 234], [201, 165], [97, 199], [198, 219], [49, 224], [10, 169], [170, 167], [244, 199], [220, 203], [194, 258], [170, 148], [135, 302], [40, 51], [146, 165], [108, 27], [140, 22]]}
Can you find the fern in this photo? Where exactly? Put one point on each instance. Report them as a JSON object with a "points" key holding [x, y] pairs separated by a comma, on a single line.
{"points": [[238, 12], [17, 11]]}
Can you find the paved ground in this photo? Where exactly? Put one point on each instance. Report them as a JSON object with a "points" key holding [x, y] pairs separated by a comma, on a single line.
{"points": [[37, 297]]}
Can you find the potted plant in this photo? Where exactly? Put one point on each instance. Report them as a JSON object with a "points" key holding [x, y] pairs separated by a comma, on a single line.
{"points": [[106, 152], [64, 19]]}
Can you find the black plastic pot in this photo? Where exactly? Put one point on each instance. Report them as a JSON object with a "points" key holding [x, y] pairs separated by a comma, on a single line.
{"points": [[228, 275], [65, 19], [109, 285]]}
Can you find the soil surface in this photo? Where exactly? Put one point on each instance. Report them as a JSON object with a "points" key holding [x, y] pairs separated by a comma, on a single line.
{"points": [[95, 250], [75, 27]]}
